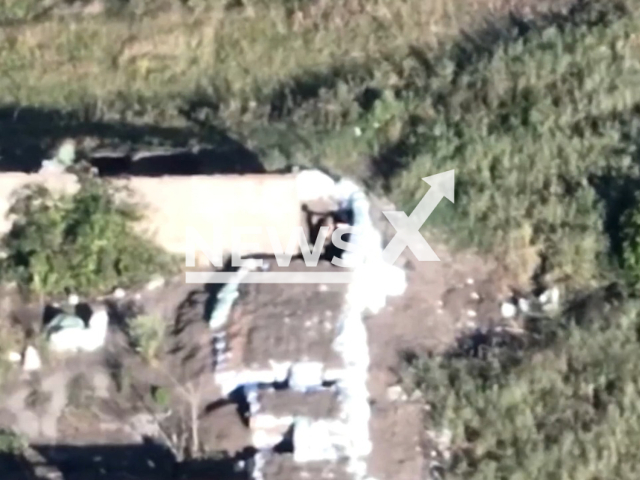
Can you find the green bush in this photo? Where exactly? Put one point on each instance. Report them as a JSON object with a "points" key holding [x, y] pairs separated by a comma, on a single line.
{"points": [[83, 242], [558, 404], [631, 244], [11, 442], [147, 335], [161, 397]]}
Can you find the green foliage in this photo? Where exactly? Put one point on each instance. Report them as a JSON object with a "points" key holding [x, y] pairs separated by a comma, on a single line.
{"points": [[539, 126], [16, 11], [83, 242], [161, 397], [539, 117], [566, 407], [631, 244], [11, 442], [147, 334]]}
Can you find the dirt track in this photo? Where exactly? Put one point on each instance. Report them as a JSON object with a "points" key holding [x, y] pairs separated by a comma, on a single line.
{"points": [[437, 306]]}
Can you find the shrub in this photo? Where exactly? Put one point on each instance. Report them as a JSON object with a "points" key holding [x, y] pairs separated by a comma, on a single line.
{"points": [[11, 442], [83, 242], [161, 397], [631, 244], [147, 334], [565, 407]]}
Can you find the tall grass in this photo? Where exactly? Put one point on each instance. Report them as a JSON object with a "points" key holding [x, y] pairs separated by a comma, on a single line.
{"points": [[531, 408], [537, 114]]}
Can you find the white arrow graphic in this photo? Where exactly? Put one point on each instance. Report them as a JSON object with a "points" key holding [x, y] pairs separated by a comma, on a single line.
{"points": [[408, 228]]}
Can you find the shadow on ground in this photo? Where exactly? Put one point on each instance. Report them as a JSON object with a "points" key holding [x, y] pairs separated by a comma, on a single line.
{"points": [[28, 135], [146, 461]]}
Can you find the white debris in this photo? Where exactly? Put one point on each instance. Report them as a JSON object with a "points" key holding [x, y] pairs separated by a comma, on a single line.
{"points": [[332, 375], [470, 281], [119, 293], [73, 299], [396, 394], [229, 380], [357, 131], [14, 357], [322, 288], [51, 167], [373, 281], [314, 185], [318, 440], [66, 153], [550, 299], [442, 441], [475, 295], [524, 305], [472, 313], [304, 376], [155, 283], [73, 338], [508, 310], [228, 294], [416, 396], [267, 430], [31, 360], [281, 370]]}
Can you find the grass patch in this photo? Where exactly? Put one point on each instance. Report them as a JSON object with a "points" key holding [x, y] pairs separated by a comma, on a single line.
{"points": [[539, 125], [161, 397], [538, 115], [559, 405], [84, 242]]}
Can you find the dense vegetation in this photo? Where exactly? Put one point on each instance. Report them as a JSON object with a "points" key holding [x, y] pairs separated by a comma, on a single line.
{"points": [[84, 242], [538, 114], [561, 402]]}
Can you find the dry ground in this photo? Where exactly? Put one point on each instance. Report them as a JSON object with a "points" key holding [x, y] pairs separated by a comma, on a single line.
{"points": [[437, 308], [432, 313]]}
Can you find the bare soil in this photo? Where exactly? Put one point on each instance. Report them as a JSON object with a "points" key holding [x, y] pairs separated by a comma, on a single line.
{"points": [[116, 406], [444, 300]]}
